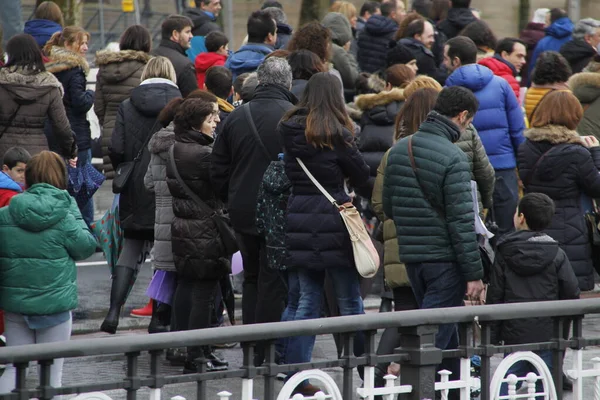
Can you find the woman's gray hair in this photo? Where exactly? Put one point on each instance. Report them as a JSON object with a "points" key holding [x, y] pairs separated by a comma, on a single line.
{"points": [[277, 14], [586, 26], [275, 71]]}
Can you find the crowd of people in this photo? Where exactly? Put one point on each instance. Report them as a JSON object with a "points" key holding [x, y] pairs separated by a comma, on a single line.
{"points": [[421, 118]]}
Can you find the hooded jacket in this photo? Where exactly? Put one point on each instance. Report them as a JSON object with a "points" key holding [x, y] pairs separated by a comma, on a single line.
{"points": [[557, 34], [456, 21], [342, 60], [499, 120], [425, 59], [505, 70], [427, 234], [529, 267], [71, 70], [184, 68], [204, 61], [578, 53], [586, 87], [531, 36], [284, 35], [203, 22], [41, 30], [8, 189], [567, 173], [247, 58], [40, 97], [198, 250], [155, 181], [43, 234], [118, 73], [374, 43], [316, 238], [136, 119]]}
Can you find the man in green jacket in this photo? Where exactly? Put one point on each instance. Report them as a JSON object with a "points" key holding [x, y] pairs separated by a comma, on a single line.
{"points": [[429, 198]]}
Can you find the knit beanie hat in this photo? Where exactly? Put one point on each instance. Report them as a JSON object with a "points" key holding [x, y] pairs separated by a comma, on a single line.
{"points": [[338, 24], [399, 54], [539, 16]]}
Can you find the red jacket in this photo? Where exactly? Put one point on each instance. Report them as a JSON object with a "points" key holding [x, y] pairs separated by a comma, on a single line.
{"points": [[5, 196], [204, 61], [504, 70]]}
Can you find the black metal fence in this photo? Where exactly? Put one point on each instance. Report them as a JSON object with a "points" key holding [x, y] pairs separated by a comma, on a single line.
{"points": [[418, 356]]}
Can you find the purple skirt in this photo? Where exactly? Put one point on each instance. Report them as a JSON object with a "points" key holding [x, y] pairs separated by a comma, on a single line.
{"points": [[162, 287]]}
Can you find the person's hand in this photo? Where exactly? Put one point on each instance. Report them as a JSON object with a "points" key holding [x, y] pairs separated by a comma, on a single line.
{"points": [[474, 289], [590, 141], [73, 162]]}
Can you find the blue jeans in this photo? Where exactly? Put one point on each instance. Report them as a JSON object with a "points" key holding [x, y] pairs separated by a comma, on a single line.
{"points": [[289, 314], [439, 285], [522, 368], [506, 199], [11, 19], [87, 212], [310, 284]]}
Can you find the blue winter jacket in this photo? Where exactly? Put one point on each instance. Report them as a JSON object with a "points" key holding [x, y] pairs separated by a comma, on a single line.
{"points": [[41, 30], [247, 58], [499, 120], [557, 34]]}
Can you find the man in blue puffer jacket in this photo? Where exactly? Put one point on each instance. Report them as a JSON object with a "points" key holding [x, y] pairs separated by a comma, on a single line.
{"points": [[499, 121], [558, 33]]}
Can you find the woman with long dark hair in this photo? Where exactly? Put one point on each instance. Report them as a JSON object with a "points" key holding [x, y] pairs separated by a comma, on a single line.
{"points": [[318, 131]]}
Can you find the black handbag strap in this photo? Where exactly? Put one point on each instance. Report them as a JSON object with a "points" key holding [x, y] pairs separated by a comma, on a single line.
{"points": [[10, 120], [415, 169], [246, 108], [138, 157], [205, 208]]}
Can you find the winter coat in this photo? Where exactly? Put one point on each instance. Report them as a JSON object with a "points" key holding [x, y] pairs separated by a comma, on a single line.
{"points": [[8, 189], [136, 120], [298, 86], [536, 93], [425, 60], [578, 53], [316, 237], [531, 35], [557, 34], [505, 70], [238, 163], [565, 174], [184, 68], [198, 250], [284, 35], [586, 87], [203, 23], [42, 234], [118, 73], [456, 21], [427, 234], [40, 95], [71, 70], [499, 120], [247, 58], [204, 61], [342, 60], [155, 181], [376, 136], [41, 30], [529, 267], [374, 43]]}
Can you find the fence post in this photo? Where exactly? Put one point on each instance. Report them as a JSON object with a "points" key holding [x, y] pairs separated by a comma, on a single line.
{"points": [[419, 343]]}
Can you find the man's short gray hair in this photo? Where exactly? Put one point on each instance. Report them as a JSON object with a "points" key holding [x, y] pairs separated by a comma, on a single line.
{"points": [[277, 14], [275, 71], [586, 26]]}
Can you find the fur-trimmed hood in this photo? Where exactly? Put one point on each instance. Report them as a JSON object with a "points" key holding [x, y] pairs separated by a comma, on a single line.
{"points": [[369, 101], [105, 57], [62, 59], [554, 134], [585, 86], [117, 66], [26, 84], [354, 112], [376, 83], [162, 140], [593, 66]]}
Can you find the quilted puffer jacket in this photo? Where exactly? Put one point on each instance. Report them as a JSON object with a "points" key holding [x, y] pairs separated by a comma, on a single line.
{"points": [[443, 171], [374, 43], [40, 96], [118, 74], [586, 87], [197, 247], [156, 182]]}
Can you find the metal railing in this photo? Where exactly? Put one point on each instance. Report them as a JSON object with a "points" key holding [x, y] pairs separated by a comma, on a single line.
{"points": [[418, 356]]}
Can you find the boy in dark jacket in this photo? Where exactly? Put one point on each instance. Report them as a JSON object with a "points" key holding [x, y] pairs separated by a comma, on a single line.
{"points": [[12, 178], [530, 266]]}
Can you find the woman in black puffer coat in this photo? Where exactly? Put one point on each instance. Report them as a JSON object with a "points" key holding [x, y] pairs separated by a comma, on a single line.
{"points": [[556, 161], [198, 250]]}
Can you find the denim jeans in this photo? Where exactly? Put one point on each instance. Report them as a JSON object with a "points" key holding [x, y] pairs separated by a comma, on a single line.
{"points": [[11, 19], [289, 314], [310, 283], [522, 368], [506, 198], [87, 212], [439, 285]]}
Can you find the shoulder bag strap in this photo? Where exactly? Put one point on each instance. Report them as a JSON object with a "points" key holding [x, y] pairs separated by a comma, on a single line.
{"points": [[138, 157], [246, 108], [414, 168], [317, 184], [205, 208], [10, 120], [529, 177]]}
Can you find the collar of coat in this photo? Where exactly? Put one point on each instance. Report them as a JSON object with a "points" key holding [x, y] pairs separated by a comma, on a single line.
{"points": [[104, 57], [554, 134], [62, 59], [369, 101], [28, 77], [168, 43]]}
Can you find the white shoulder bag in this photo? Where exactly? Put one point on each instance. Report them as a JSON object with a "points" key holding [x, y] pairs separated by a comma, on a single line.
{"points": [[366, 257]]}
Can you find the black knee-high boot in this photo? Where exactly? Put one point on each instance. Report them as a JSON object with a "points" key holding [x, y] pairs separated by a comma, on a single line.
{"points": [[118, 292], [161, 316]]}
